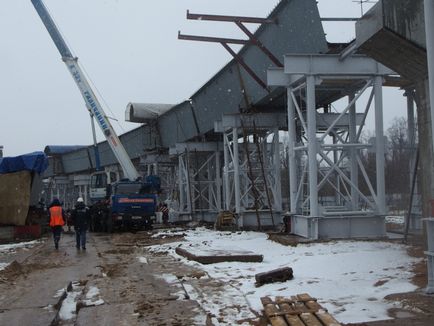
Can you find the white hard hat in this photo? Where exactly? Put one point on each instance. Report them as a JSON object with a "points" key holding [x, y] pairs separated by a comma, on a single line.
{"points": [[80, 200]]}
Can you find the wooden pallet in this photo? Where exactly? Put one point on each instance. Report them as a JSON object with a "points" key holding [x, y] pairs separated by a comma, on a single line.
{"points": [[299, 310]]}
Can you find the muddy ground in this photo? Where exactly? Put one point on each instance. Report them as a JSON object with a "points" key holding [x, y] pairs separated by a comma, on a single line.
{"points": [[128, 277]]}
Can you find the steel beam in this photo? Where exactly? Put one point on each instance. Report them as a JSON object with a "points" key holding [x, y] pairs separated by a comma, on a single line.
{"points": [[277, 181], [236, 163], [277, 77], [195, 146], [246, 67], [354, 171], [380, 145], [259, 44], [312, 147], [227, 186], [329, 64], [254, 121], [212, 39], [224, 18], [291, 152]]}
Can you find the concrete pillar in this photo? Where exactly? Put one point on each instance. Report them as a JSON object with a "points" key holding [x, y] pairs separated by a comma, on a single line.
{"points": [[354, 169], [312, 146], [292, 164], [236, 162], [380, 145]]}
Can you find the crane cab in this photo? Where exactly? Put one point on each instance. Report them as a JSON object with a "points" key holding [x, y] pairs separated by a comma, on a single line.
{"points": [[100, 183]]}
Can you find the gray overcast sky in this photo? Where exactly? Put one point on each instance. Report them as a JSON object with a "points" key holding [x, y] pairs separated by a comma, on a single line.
{"points": [[130, 50]]}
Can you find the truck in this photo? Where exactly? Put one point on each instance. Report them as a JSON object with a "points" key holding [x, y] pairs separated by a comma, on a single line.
{"points": [[133, 205], [123, 204]]}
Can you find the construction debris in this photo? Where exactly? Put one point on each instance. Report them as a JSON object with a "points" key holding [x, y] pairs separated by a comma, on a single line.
{"points": [[276, 275], [299, 310]]}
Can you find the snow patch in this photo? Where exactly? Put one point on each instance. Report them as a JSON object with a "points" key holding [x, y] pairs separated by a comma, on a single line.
{"points": [[143, 260], [93, 297], [69, 305], [12, 247], [343, 275]]}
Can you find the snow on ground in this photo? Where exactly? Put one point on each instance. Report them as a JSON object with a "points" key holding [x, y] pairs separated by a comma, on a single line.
{"points": [[93, 297], [11, 248], [143, 260], [349, 278], [68, 310]]}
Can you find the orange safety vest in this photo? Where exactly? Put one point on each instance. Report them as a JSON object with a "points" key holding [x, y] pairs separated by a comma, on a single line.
{"points": [[56, 218]]}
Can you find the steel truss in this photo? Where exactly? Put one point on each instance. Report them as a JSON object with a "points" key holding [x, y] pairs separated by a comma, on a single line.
{"points": [[251, 172], [199, 179], [324, 148], [162, 166]]}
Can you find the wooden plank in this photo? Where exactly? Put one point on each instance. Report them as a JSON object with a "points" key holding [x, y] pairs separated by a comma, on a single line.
{"points": [[327, 319], [313, 306], [299, 310], [310, 319], [271, 311], [291, 315], [304, 297]]}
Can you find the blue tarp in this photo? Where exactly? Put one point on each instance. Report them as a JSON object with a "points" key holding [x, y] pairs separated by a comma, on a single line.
{"points": [[33, 162]]}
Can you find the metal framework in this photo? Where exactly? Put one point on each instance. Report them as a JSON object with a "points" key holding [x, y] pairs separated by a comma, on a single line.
{"points": [[199, 179], [325, 149], [252, 39], [251, 172]]}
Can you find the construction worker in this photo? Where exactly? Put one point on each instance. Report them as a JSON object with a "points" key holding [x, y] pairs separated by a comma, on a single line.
{"points": [[57, 220], [80, 217]]}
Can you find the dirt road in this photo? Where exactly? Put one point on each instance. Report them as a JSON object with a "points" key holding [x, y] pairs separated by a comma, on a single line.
{"points": [[31, 287], [118, 281]]}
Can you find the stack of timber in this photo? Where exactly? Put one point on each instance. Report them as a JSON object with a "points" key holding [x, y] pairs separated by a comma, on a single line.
{"points": [[225, 221], [299, 310]]}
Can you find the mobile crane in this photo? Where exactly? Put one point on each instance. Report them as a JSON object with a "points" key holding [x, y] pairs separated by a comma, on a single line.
{"points": [[131, 201]]}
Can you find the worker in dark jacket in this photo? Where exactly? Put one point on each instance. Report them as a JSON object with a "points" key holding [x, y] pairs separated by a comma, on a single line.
{"points": [[80, 217], [57, 220]]}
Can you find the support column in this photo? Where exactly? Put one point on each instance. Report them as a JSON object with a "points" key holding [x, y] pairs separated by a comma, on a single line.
{"points": [[338, 198], [312, 146], [429, 30], [218, 181], [236, 162], [354, 169], [411, 132], [277, 180], [379, 142], [291, 153], [226, 173], [181, 184]]}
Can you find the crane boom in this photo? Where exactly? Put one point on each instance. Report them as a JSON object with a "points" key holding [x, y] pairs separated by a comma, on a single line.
{"points": [[92, 103]]}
